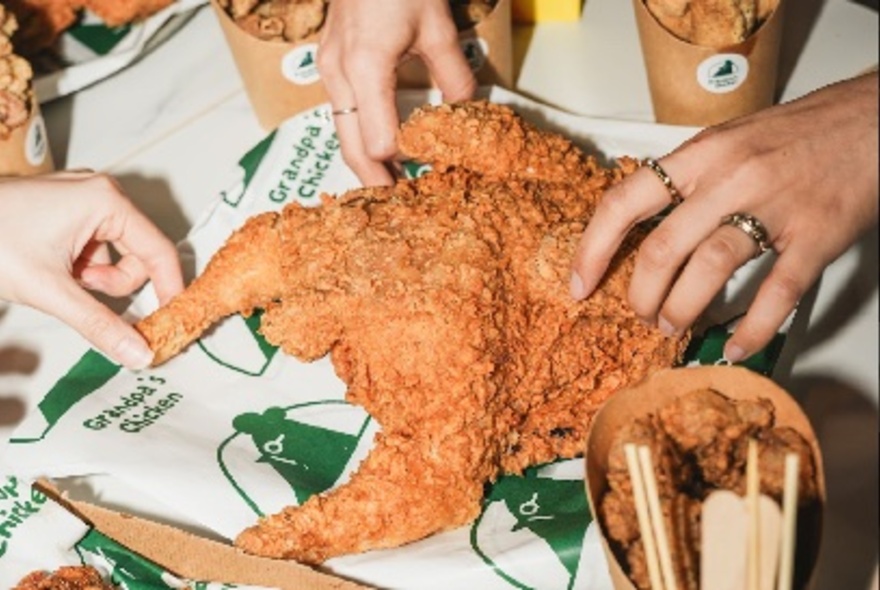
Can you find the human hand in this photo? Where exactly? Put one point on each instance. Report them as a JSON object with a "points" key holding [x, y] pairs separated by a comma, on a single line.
{"points": [[55, 233], [362, 42], [806, 169]]}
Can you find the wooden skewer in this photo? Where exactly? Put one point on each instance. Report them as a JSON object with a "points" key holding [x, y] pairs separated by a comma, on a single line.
{"points": [[789, 521], [635, 474], [657, 522], [753, 485]]}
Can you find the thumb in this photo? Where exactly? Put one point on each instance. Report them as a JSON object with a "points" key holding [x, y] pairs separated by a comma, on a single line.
{"points": [[105, 330]]}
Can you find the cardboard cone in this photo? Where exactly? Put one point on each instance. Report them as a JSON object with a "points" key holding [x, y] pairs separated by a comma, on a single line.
{"points": [[660, 389], [281, 79], [26, 151], [701, 86]]}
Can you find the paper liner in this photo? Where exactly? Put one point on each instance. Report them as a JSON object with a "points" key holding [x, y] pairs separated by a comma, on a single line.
{"points": [[282, 80], [685, 80], [660, 389], [26, 151]]}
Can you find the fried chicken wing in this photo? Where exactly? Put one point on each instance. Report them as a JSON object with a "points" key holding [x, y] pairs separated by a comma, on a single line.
{"points": [[443, 302]]}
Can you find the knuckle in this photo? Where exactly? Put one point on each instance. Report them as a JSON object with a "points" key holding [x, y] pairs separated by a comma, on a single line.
{"points": [[658, 250], [97, 327], [785, 287], [720, 253]]}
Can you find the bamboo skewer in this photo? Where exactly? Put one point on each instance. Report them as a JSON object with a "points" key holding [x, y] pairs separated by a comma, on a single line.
{"points": [[639, 495], [656, 514], [789, 522], [753, 485]]}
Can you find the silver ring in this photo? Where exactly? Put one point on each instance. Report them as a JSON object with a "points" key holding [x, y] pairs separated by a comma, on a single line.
{"points": [[347, 111], [752, 227], [665, 179]]}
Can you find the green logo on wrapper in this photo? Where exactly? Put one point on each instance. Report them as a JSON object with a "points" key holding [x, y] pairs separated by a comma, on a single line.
{"points": [[549, 514], [305, 448], [708, 349], [88, 375], [237, 345]]}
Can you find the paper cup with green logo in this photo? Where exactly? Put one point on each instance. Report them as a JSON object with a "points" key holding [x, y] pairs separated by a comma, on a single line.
{"points": [[488, 47], [26, 150], [280, 78], [661, 388], [701, 86]]}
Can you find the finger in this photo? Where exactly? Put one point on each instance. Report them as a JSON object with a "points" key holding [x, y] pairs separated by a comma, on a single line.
{"points": [[117, 280], [638, 197], [779, 293], [372, 75], [105, 330], [147, 251], [342, 97], [440, 50], [705, 274]]}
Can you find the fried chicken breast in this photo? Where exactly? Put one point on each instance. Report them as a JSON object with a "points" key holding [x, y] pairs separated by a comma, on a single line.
{"points": [[444, 304]]}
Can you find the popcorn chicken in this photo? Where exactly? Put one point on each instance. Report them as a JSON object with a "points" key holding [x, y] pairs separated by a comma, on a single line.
{"points": [[15, 79], [711, 23]]}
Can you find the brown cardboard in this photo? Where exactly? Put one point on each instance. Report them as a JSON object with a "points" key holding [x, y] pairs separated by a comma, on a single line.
{"points": [[26, 151], [269, 73], [673, 67], [195, 558], [274, 95], [659, 389]]}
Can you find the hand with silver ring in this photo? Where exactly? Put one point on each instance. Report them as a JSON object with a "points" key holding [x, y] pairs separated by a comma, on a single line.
{"points": [[799, 178], [362, 43]]}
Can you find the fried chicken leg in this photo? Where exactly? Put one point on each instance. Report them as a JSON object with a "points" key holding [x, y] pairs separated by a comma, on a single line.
{"points": [[444, 304]]}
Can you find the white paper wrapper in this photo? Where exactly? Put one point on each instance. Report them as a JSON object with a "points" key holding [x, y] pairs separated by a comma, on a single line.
{"points": [[233, 429], [91, 51]]}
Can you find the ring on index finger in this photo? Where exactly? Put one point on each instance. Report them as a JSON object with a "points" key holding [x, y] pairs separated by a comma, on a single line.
{"points": [[345, 111], [655, 167]]}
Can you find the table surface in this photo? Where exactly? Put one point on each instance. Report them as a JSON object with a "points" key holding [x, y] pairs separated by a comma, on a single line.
{"points": [[168, 123]]}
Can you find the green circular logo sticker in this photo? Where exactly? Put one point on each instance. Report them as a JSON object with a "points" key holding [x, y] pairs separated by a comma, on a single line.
{"points": [[476, 51], [36, 146], [723, 73], [299, 65]]}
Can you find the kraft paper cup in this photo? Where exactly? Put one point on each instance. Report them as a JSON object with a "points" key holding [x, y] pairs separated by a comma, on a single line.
{"points": [[281, 79], [488, 47], [26, 151], [660, 389], [701, 86]]}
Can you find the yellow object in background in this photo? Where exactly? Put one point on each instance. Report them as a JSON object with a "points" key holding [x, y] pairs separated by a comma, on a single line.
{"points": [[536, 11]]}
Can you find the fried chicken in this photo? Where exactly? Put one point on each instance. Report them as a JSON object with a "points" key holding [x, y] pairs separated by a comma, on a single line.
{"points": [[444, 305], [699, 444], [66, 578]]}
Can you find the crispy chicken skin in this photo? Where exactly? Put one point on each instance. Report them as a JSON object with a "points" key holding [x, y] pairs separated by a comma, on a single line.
{"points": [[65, 578], [444, 304]]}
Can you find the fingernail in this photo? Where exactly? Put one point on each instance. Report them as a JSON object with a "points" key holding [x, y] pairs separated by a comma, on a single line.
{"points": [[665, 327], [578, 291], [133, 354], [733, 353]]}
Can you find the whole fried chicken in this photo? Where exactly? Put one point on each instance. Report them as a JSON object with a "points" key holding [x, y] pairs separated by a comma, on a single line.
{"points": [[445, 307]]}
